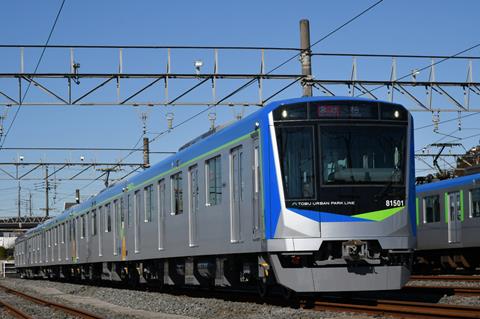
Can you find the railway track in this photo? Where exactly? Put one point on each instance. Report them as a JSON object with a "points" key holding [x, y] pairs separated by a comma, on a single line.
{"points": [[402, 309], [446, 278], [14, 311], [80, 313], [445, 290]]}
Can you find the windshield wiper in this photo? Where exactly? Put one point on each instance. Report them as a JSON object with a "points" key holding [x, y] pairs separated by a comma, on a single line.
{"points": [[387, 187]]}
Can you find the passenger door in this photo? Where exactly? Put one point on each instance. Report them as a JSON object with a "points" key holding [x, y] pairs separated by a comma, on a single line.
{"points": [[257, 192], [136, 221], [161, 214], [193, 209], [454, 218], [236, 193]]}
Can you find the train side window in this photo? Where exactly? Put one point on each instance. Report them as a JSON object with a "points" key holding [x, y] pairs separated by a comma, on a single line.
{"points": [[64, 230], [176, 194], [432, 209], [148, 202], [475, 203], [213, 173], [108, 218]]}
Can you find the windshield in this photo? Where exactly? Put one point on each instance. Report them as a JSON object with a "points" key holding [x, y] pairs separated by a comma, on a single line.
{"points": [[296, 159], [362, 155]]}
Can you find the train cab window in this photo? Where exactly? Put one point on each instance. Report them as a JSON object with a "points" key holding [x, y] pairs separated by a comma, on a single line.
{"points": [[148, 202], [213, 172], [108, 218], [297, 161], [362, 155], [94, 222], [432, 209], [475, 204], [176, 194]]}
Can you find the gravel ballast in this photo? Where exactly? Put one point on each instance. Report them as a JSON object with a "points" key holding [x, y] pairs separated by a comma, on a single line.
{"points": [[122, 303]]}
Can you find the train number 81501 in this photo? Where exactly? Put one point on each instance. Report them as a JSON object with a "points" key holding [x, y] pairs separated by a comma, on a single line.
{"points": [[394, 202]]}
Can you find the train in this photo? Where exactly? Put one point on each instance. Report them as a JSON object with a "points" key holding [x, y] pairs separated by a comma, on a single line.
{"points": [[305, 195], [448, 218]]}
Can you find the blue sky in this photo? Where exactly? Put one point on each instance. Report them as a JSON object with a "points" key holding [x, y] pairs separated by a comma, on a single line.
{"points": [[393, 27]]}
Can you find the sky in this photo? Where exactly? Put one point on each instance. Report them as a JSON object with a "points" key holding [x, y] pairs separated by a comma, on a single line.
{"points": [[393, 27]]}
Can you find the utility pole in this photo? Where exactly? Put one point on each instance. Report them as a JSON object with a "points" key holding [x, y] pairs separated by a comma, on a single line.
{"points": [[305, 56], [47, 209]]}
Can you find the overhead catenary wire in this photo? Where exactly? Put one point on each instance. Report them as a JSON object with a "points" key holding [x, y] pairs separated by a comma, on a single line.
{"points": [[82, 149], [250, 82], [247, 84], [132, 150], [34, 72], [423, 68]]}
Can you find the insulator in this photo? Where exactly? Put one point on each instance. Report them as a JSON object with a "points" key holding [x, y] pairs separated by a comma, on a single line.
{"points": [[436, 121], [170, 117], [212, 117], [459, 119]]}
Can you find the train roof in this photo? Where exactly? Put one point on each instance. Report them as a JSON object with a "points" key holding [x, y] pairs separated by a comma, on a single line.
{"points": [[473, 179], [198, 147]]}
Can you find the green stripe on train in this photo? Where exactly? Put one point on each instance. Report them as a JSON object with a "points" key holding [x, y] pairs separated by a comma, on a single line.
{"points": [[380, 215]]}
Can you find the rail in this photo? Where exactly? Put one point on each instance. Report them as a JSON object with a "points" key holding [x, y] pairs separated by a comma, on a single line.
{"points": [[14, 311], [448, 290], [71, 310], [446, 278], [401, 309]]}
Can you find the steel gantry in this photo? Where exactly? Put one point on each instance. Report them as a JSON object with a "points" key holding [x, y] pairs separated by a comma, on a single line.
{"points": [[125, 75], [169, 88], [462, 96]]}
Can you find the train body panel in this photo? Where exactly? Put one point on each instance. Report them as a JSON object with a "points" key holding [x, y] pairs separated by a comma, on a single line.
{"points": [[310, 188], [448, 217]]}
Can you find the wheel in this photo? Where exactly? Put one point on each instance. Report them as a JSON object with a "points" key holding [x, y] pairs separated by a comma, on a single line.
{"points": [[262, 288], [287, 293]]}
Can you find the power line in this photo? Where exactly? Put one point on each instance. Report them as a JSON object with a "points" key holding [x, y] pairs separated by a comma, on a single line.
{"points": [[187, 47], [34, 72], [81, 149], [118, 162], [424, 68], [412, 56], [446, 121], [247, 84]]}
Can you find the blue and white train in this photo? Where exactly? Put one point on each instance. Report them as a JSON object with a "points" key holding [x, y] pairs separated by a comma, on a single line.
{"points": [[309, 194]]}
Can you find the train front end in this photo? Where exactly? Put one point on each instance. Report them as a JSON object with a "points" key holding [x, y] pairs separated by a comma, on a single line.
{"points": [[339, 194]]}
